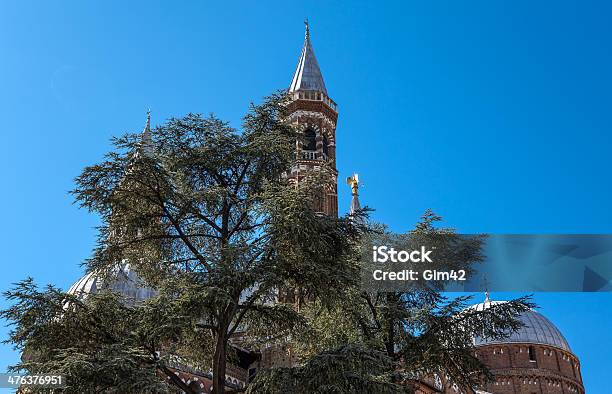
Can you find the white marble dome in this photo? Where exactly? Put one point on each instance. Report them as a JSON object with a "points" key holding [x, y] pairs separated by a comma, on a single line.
{"points": [[124, 281], [537, 330]]}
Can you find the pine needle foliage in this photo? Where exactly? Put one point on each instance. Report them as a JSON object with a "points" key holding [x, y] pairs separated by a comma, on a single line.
{"points": [[415, 334], [209, 217]]}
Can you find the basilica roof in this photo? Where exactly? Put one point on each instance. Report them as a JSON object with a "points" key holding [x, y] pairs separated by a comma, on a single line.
{"points": [[308, 74], [537, 329], [123, 281]]}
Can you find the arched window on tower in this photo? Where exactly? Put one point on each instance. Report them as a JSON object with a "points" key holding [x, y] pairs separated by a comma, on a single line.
{"points": [[325, 147], [310, 139]]}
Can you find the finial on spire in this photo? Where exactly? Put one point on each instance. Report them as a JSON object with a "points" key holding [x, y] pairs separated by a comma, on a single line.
{"points": [[487, 296], [353, 182], [145, 138], [307, 28], [147, 128]]}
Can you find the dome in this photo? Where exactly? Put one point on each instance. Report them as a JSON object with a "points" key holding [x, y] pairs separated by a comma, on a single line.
{"points": [[124, 282], [537, 329]]}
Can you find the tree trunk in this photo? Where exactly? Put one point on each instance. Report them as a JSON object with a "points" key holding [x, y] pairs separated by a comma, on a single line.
{"points": [[390, 340], [219, 363]]}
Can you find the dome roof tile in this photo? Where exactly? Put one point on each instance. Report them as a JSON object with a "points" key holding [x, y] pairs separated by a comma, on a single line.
{"points": [[537, 329], [124, 281]]}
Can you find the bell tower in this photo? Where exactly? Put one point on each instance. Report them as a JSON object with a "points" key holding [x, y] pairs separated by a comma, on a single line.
{"points": [[314, 114]]}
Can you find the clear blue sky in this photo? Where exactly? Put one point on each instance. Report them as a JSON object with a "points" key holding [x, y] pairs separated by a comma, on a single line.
{"points": [[495, 114]]}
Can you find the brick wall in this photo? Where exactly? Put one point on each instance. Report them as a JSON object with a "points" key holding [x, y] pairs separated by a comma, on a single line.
{"points": [[319, 117], [528, 368]]}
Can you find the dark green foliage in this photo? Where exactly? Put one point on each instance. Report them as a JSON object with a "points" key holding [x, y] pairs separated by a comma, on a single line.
{"points": [[208, 217], [347, 369], [94, 343], [420, 332]]}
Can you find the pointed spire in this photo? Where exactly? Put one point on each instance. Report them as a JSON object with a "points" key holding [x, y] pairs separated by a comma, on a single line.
{"points": [[487, 296], [146, 132], [308, 74], [146, 142], [355, 205], [147, 128]]}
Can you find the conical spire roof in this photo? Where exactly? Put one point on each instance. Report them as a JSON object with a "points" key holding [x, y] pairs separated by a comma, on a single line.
{"points": [[144, 147], [146, 142], [308, 74]]}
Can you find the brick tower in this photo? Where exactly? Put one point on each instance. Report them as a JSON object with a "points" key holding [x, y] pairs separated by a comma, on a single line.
{"points": [[314, 115]]}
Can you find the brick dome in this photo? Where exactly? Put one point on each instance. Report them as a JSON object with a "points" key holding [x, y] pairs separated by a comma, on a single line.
{"points": [[534, 359]]}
